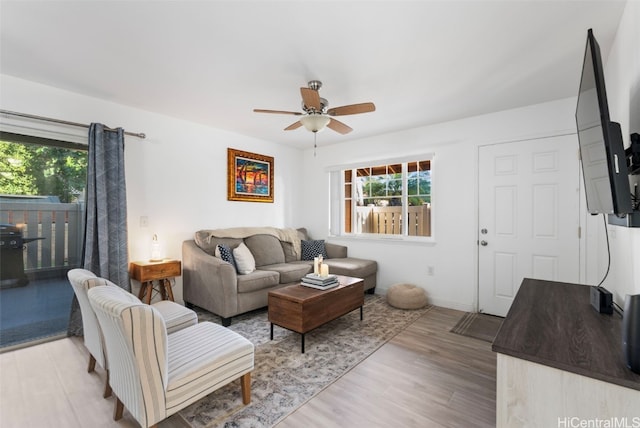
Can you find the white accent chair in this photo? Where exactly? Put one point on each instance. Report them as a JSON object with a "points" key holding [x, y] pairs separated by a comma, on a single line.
{"points": [[175, 316], [154, 374]]}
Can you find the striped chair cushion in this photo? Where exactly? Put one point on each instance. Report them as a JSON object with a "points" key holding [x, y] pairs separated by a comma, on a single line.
{"points": [[202, 359], [176, 317]]}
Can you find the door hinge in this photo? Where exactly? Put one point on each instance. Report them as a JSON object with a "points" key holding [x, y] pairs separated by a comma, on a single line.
{"points": [[579, 232]]}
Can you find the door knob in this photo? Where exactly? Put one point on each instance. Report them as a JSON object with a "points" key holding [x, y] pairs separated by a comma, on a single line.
{"points": [[483, 243]]}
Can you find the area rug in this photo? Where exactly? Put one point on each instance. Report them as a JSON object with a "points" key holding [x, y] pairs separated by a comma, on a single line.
{"points": [[284, 378], [479, 326]]}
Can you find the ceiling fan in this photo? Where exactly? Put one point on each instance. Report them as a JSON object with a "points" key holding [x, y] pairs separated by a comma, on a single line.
{"points": [[315, 112]]}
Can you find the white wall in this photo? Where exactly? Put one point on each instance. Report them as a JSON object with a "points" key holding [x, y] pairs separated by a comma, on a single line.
{"points": [[622, 78], [177, 176], [455, 144]]}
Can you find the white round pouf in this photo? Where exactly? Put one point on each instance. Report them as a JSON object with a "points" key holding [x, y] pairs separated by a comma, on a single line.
{"points": [[406, 296]]}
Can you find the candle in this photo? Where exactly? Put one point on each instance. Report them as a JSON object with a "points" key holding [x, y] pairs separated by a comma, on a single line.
{"points": [[316, 266], [324, 270]]}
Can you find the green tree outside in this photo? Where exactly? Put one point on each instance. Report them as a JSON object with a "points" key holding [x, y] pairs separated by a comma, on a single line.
{"points": [[31, 169], [389, 186]]}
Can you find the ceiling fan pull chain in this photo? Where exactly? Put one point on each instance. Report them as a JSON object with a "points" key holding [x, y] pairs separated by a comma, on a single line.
{"points": [[315, 138]]}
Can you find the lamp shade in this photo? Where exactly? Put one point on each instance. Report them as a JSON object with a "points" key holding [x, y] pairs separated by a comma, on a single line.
{"points": [[315, 122], [156, 250]]}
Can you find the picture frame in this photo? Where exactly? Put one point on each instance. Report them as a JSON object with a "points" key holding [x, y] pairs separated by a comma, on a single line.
{"points": [[249, 176]]}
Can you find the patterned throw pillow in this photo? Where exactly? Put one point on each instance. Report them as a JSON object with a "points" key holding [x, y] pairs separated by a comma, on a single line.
{"points": [[227, 255], [311, 249]]}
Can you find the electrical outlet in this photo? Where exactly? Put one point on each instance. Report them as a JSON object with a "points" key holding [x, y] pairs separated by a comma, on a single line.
{"points": [[144, 221], [430, 270]]}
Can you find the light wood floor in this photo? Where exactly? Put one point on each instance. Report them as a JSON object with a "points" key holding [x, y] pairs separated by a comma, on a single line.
{"points": [[424, 377]]}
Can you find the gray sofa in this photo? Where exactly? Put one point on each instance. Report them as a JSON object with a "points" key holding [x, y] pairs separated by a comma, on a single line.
{"points": [[214, 284]]}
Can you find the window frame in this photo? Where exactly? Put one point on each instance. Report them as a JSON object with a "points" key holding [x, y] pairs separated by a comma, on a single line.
{"points": [[338, 197]]}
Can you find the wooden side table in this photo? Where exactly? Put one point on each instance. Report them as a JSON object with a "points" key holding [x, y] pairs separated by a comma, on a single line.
{"points": [[147, 272]]}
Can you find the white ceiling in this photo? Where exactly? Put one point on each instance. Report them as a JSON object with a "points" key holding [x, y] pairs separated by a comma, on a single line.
{"points": [[212, 62]]}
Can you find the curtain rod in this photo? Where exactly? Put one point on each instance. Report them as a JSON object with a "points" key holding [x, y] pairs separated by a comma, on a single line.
{"points": [[65, 122]]}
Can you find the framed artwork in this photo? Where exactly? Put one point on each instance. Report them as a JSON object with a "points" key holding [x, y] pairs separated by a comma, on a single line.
{"points": [[249, 176]]}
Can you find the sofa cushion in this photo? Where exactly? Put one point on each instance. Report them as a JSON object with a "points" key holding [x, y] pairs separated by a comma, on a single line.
{"points": [[257, 280], [289, 252], [335, 251], [208, 243], [266, 249], [312, 249], [359, 268], [202, 358], [244, 259], [303, 234], [289, 272]]}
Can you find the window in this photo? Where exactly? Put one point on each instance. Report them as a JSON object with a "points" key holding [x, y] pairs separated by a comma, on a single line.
{"points": [[42, 185], [389, 199]]}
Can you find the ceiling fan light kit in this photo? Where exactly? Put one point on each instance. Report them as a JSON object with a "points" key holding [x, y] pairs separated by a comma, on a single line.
{"points": [[316, 116], [315, 122]]}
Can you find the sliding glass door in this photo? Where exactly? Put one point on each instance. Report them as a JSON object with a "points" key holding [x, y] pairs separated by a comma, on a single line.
{"points": [[42, 186]]}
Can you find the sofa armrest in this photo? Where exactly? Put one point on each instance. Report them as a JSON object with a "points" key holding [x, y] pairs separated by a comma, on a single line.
{"points": [[335, 251], [208, 282]]}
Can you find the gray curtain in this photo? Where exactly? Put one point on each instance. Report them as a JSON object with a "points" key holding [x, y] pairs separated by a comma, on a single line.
{"points": [[105, 240]]}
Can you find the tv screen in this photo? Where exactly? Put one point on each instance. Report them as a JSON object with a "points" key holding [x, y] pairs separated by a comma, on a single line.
{"points": [[602, 154]]}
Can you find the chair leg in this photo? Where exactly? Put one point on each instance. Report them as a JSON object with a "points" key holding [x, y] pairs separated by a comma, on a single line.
{"points": [[245, 382], [119, 410], [92, 364], [107, 387]]}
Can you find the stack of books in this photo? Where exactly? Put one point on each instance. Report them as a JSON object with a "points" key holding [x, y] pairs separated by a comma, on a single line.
{"points": [[320, 282]]}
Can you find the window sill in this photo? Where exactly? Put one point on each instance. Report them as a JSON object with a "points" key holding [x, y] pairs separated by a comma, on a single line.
{"points": [[412, 240]]}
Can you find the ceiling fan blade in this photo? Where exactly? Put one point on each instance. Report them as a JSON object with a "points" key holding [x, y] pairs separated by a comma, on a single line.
{"points": [[351, 109], [339, 127], [311, 98], [259, 110], [293, 126]]}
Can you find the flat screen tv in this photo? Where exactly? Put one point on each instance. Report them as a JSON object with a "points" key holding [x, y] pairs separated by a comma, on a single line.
{"points": [[602, 153]]}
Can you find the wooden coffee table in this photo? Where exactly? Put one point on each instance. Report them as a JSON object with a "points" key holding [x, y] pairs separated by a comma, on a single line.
{"points": [[301, 309]]}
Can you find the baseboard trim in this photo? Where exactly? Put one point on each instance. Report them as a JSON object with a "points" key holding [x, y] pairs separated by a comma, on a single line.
{"points": [[436, 301]]}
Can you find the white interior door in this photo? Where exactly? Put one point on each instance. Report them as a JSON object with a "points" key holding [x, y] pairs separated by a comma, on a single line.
{"points": [[528, 217]]}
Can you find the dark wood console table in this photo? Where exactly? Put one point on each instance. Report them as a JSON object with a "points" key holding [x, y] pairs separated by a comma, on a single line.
{"points": [[558, 358]]}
